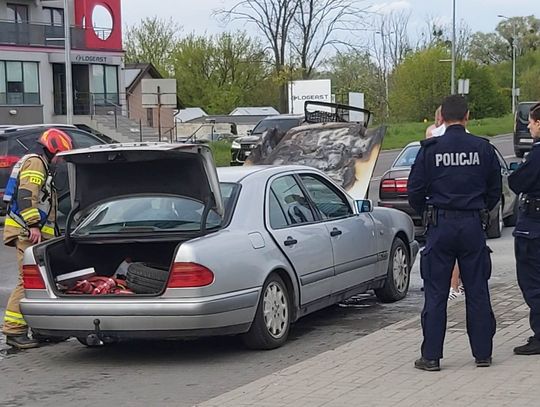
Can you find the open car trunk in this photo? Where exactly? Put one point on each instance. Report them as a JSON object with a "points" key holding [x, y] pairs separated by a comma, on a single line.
{"points": [[146, 272]]}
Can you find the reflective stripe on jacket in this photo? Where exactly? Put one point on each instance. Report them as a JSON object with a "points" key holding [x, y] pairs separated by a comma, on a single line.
{"points": [[34, 201]]}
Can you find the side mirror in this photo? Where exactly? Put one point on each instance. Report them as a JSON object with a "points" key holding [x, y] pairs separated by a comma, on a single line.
{"points": [[364, 205], [513, 166]]}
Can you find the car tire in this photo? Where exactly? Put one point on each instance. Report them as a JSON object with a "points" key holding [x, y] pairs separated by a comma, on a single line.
{"points": [[146, 279], [398, 277], [512, 219], [496, 225], [270, 329]]}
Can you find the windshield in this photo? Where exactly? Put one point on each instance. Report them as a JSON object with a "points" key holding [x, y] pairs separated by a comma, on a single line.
{"points": [[283, 125], [523, 111], [407, 157], [156, 213]]}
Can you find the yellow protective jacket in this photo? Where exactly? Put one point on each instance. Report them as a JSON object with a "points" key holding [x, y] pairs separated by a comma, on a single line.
{"points": [[35, 196]]}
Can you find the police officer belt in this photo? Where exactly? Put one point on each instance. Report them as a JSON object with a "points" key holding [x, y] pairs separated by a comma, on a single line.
{"points": [[530, 205], [450, 213]]}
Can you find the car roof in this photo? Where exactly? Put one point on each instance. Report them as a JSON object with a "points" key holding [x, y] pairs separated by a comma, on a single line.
{"points": [[141, 146], [283, 116], [21, 130], [237, 174]]}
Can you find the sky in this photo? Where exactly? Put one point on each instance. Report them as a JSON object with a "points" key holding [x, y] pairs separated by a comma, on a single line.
{"points": [[196, 15]]}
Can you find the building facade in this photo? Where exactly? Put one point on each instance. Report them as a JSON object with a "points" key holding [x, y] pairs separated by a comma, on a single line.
{"points": [[32, 59]]}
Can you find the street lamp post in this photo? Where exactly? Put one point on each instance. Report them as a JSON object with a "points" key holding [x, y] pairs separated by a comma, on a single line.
{"points": [[513, 63], [453, 85], [67, 54]]}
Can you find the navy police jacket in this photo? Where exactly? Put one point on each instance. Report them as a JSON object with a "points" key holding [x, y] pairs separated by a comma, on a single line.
{"points": [[526, 180], [457, 171]]}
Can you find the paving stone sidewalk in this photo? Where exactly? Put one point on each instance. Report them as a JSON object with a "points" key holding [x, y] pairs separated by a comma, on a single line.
{"points": [[377, 370]]}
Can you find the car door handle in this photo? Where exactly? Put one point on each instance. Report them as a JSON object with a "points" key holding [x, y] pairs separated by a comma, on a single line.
{"points": [[290, 241], [336, 232]]}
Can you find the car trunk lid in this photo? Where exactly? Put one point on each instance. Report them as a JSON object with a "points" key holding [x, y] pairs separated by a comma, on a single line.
{"points": [[100, 173]]}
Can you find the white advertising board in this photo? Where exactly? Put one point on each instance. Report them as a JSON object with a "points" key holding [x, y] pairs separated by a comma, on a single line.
{"points": [[313, 90], [356, 99], [165, 88]]}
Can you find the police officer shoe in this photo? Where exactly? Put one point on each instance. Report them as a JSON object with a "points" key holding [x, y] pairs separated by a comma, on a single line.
{"points": [[21, 341], [483, 362], [532, 347], [427, 364]]}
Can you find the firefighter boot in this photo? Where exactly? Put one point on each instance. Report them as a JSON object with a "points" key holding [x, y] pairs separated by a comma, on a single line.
{"points": [[21, 341]]}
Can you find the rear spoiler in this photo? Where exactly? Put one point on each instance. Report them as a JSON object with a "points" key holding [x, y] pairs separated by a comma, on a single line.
{"points": [[335, 112]]}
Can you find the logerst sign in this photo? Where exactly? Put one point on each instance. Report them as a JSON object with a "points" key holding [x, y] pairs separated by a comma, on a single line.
{"points": [[91, 59], [302, 91]]}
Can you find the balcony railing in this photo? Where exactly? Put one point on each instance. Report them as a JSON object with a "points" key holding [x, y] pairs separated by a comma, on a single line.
{"points": [[39, 35]]}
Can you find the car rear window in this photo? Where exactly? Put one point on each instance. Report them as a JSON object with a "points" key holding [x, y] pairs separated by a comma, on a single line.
{"points": [[3, 146], [407, 157]]}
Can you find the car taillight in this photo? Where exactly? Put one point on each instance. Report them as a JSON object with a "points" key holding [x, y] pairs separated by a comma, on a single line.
{"points": [[186, 275], [32, 279], [398, 185], [8, 161]]}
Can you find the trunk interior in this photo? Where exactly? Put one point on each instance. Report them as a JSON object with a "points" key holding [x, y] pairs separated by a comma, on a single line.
{"points": [[105, 258]]}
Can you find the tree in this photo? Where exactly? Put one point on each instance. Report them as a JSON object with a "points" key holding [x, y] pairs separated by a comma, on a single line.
{"points": [[420, 84], [273, 18], [485, 98], [528, 79], [487, 48], [152, 41], [355, 71], [527, 34], [315, 28], [223, 72]]}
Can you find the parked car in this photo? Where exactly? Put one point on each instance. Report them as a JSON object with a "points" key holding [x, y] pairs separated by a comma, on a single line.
{"points": [[242, 146], [248, 254], [522, 136], [18, 140], [393, 192]]}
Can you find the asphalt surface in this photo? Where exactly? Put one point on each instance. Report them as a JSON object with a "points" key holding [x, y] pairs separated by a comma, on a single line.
{"points": [[183, 373]]}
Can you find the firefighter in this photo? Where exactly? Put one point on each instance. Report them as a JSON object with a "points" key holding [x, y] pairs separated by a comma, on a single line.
{"points": [[30, 219]]}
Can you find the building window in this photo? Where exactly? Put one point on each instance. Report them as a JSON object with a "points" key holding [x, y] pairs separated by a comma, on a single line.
{"points": [[54, 16], [19, 83], [105, 84], [17, 13]]}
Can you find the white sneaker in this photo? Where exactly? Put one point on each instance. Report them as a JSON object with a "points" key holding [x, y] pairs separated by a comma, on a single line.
{"points": [[454, 294]]}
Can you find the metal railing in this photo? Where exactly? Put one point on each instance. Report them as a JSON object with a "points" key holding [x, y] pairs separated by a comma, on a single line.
{"points": [[36, 34]]}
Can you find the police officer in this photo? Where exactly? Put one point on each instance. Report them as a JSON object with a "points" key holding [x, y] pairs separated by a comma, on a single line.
{"points": [[31, 217], [455, 178], [526, 180]]}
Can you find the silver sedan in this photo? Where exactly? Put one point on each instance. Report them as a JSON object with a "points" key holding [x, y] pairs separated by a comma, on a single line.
{"points": [[248, 254]]}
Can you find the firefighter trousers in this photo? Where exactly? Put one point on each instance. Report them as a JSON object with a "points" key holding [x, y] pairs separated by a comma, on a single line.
{"points": [[14, 323]]}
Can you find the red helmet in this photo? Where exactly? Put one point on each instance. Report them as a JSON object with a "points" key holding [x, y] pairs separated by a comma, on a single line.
{"points": [[55, 141]]}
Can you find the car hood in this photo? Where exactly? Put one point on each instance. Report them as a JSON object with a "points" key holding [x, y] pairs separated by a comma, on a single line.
{"points": [[249, 139], [346, 152], [103, 172]]}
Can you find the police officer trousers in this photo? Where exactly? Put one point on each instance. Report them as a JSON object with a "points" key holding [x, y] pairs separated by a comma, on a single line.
{"points": [[459, 236], [528, 276]]}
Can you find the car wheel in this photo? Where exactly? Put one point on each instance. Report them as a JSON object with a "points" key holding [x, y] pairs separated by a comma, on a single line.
{"points": [[495, 228], [512, 219], [398, 277], [145, 279], [272, 322]]}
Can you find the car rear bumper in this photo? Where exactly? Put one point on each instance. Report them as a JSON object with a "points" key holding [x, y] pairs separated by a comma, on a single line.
{"points": [[523, 142], [132, 317]]}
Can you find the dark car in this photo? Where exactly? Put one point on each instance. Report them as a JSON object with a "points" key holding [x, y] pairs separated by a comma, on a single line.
{"points": [[393, 192], [242, 146], [522, 137], [17, 141]]}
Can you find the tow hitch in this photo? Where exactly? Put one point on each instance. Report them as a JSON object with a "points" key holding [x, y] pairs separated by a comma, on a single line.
{"points": [[96, 338]]}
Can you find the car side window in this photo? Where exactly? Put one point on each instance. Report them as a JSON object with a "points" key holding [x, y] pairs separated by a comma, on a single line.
{"points": [[277, 216], [29, 141], [292, 201], [329, 201], [82, 140]]}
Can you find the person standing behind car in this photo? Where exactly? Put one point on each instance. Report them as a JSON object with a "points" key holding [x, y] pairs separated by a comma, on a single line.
{"points": [[455, 179], [526, 180], [436, 126], [31, 217]]}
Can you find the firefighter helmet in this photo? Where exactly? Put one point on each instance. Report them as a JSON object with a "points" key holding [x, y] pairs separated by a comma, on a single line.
{"points": [[55, 141]]}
